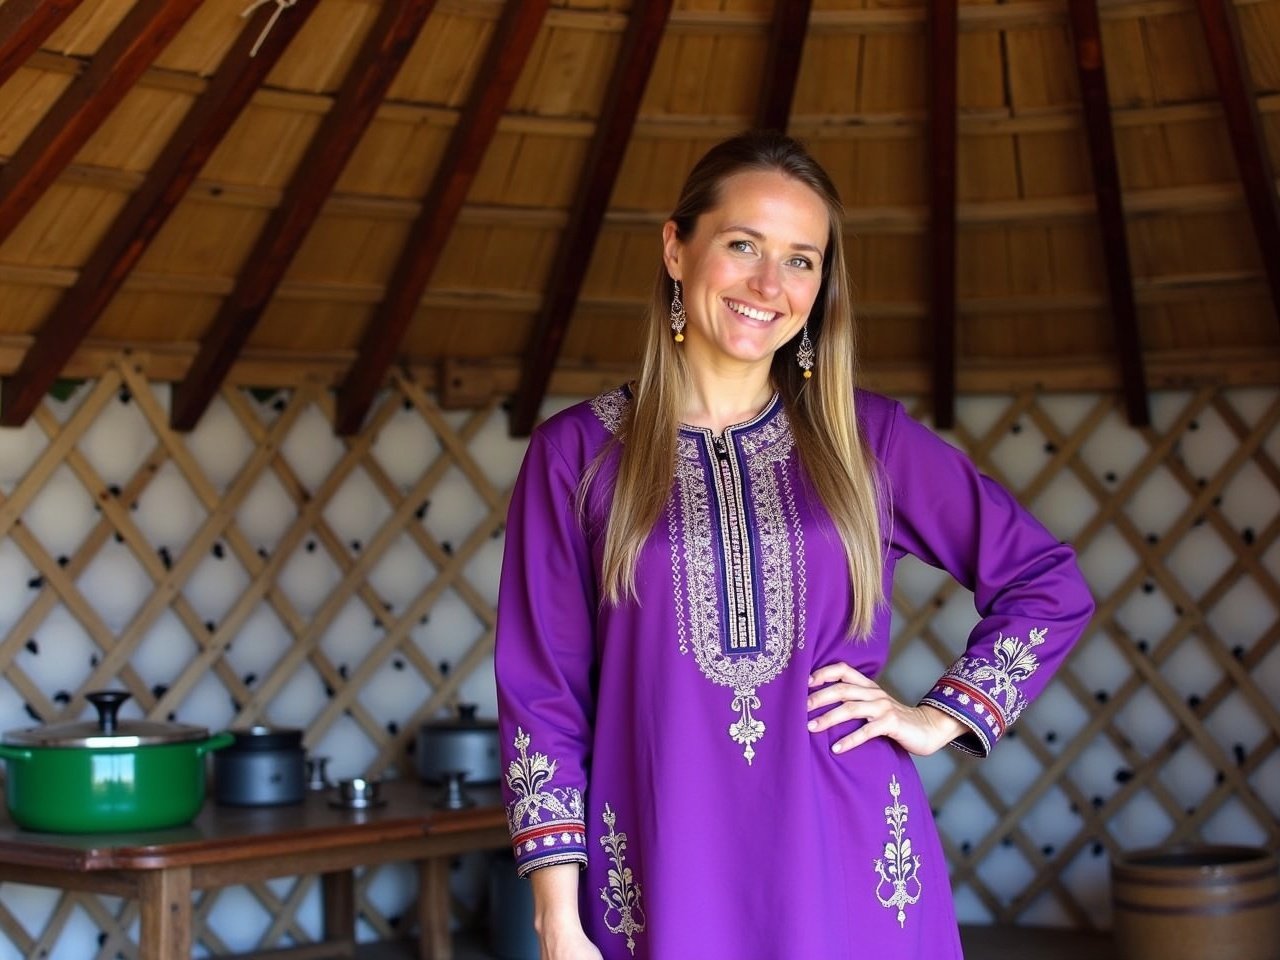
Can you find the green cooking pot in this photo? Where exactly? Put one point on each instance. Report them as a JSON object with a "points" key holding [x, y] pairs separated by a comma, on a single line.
{"points": [[106, 775]]}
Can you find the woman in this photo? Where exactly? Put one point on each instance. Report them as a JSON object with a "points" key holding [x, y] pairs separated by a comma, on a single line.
{"points": [[693, 611]]}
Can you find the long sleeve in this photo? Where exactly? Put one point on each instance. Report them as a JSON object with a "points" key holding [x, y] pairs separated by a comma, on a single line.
{"points": [[543, 660], [1028, 590]]}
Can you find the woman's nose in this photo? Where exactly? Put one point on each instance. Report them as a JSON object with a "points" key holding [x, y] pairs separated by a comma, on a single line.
{"points": [[767, 279]]}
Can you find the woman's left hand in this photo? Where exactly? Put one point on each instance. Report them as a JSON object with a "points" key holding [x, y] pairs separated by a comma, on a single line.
{"points": [[919, 730]]}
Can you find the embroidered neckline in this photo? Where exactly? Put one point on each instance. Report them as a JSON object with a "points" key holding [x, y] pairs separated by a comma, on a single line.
{"points": [[625, 395], [760, 419]]}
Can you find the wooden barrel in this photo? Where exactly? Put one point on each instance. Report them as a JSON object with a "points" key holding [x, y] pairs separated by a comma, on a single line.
{"points": [[1196, 903]]}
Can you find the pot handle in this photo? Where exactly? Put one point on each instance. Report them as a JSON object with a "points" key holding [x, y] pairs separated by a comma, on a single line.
{"points": [[216, 742], [14, 753]]}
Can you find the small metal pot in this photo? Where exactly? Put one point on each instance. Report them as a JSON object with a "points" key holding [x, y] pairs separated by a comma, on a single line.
{"points": [[263, 767], [461, 745], [108, 774]]}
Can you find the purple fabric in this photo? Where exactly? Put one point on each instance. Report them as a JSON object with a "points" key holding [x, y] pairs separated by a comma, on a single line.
{"points": [[662, 744]]}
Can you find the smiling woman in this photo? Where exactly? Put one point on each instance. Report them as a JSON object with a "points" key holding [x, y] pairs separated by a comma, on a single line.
{"points": [[693, 614], [750, 272]]}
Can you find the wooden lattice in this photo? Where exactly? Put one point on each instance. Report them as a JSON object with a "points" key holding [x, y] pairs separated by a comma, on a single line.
{"points": [[1053, 886]]}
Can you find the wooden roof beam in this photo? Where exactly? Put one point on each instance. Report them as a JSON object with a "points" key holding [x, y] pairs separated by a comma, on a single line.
{"points": [[1240, 104], [146, 211], [1087, 34], [145, 30], [24, 26], [509, 48], [618, 112], [943, 42], [383, 52], [782, 63]]}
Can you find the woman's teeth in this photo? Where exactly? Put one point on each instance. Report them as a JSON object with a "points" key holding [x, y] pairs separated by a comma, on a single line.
{"points": [[751, 313]]}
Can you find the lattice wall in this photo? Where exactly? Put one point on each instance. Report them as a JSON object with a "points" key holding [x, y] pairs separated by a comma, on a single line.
{"points": [[263, 569]]}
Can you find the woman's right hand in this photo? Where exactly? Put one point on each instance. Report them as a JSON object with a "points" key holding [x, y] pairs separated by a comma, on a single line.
{"points": [[570, 943], [555, 914]]}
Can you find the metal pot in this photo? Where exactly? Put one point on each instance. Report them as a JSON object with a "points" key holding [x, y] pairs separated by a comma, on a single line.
{"points": [[461, 745], [263, 767], [106, 775]]}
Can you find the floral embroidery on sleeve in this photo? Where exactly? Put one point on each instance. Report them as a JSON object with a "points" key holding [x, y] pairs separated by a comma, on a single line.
{"points": [[623, 913], [986, 695], [899, 884], [546, 823]]}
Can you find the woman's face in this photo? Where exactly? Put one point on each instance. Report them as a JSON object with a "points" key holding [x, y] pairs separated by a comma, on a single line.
{"points": [[751, 270]]}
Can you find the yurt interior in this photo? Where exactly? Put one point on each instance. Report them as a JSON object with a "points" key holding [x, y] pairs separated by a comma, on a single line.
{"points": [[285, 286]]}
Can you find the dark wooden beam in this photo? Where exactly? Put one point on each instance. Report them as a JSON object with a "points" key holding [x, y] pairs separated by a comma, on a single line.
{"points": [[782, 63], [1087, 33], [634, 63], [137, 224], [383, 52], [87, 101], [509, 48], [24, 25], [1240, 104], [943, 43]]}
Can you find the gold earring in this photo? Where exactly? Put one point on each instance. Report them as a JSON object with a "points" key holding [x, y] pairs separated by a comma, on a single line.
{"points": [[677, 313], [805, 354]]}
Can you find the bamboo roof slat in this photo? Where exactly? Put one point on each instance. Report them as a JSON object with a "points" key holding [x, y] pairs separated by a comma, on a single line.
{"points": [[85, 104], [1041, 68], [88, 27], [24, 25]]}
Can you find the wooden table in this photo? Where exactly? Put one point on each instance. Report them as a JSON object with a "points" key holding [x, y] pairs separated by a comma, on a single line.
{"points": [[224, 846]]}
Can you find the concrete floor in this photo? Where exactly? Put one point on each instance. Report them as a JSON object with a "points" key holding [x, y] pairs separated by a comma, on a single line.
{"points": [[980, 943]]}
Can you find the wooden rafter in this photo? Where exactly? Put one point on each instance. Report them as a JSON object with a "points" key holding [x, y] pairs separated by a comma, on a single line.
{"points": [[1240, 104], [943, 57], [140, 220], [24, 25], [383, 52], [145, 30], [508, 50], [1087, 33], [782, 63], [621, 105]]}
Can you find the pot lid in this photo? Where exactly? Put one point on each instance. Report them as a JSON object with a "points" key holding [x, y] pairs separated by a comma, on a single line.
{"points": [[466, 719], [266, 738], [107, 730]]}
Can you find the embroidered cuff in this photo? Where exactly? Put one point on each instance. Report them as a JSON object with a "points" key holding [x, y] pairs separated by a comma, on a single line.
{"points": [[544, 844], [973, 709]]}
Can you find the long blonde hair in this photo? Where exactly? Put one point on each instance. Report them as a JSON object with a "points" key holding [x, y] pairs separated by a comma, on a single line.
{"points": [[839, 466]]}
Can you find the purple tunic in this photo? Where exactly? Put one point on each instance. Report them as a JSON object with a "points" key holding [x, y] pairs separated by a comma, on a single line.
{"points": [[662, 744]]}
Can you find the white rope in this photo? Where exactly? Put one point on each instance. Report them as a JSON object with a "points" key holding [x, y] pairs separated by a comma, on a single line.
{"points": [[280, 8]]}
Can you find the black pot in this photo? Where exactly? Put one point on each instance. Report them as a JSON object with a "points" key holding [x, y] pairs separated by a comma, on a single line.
{"points": [[263, 767], [461, 745]]}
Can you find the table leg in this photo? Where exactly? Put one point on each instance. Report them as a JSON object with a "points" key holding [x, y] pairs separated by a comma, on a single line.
{"points": [[434, 942], [338, 895], [165, 900]]}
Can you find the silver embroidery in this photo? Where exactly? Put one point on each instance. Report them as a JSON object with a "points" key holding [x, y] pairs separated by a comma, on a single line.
{"points": [[749, 650], [609, 408], [623, 913], [527, 776], [1015, 662], [899, 884], [777, 541]]}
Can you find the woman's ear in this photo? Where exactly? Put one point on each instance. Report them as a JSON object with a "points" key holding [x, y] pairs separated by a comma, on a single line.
{"points": [[671, 249]]}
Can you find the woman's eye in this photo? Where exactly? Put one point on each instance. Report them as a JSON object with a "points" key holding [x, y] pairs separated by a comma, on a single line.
{"points": [[804, 263], [742, 246]]}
